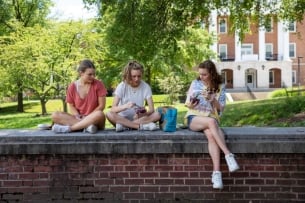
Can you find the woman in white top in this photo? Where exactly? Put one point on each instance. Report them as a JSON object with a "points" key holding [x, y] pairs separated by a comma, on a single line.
{"points": [[128, 107]]}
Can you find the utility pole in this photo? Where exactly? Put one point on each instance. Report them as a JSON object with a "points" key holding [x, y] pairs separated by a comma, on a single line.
{"points": [[299, 73]]}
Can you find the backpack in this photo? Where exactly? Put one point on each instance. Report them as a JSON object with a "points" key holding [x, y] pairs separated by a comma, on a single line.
{"points": [[168, 120]]}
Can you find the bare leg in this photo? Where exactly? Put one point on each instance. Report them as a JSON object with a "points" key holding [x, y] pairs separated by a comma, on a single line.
{"points": [[202, 123], [214, 150], [63, 118], [116, 118], [147, 119], [97, 118]]}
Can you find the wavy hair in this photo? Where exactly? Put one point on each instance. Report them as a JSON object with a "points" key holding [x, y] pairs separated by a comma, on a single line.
{"points": [[216, 78], [131, 65]]}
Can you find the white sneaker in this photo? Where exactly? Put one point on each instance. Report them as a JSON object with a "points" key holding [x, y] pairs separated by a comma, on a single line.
{"points": [[119, 127], [149, 126], [217, 180], [231, 162], [61, 128], [44, 126], [91, 129]]}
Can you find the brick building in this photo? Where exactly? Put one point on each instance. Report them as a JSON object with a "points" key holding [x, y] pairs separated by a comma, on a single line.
{"points": [[272, 57]]}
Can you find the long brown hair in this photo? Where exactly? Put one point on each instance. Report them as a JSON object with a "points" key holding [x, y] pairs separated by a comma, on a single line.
{"points": [[131, 65], [216, 79]]}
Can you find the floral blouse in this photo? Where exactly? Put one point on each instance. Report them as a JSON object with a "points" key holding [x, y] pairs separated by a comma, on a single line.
{"points": [[204, 107]]}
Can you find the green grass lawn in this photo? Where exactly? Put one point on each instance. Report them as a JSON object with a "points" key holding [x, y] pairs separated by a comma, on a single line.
{"points": [[10, 119], [279, 112]]}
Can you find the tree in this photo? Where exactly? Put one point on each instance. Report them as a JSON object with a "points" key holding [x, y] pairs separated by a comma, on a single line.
{"points": [[44, 58], [182, 13], [150, 31], [27, 13], [192, 49], [143, 30]]}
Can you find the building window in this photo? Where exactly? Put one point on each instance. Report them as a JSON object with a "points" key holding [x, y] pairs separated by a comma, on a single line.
{"points": [[246, 49], [224, 76], [222, 25], [292, 26], [223, 51], [292, 50], [269, 51], [271, 77], [294, 77]]}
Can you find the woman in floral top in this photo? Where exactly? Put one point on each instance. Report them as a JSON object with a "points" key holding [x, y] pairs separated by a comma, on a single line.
{"points": [[205, 101]]}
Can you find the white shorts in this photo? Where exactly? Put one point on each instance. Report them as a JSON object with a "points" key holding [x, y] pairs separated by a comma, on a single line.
{"points": [[128, 114]]}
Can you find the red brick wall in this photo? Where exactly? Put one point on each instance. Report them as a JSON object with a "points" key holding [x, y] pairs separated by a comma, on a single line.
{"points": [[173, 177]]}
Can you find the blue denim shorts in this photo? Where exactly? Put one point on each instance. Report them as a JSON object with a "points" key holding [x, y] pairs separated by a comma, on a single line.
{"points": [[189, 120]]}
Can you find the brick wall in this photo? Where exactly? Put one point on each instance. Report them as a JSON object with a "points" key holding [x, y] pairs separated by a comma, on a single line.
{"points": [[150, 177], [180, 175]]}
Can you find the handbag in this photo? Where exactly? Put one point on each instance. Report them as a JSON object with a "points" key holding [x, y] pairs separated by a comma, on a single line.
{"points": [[168, 120]]}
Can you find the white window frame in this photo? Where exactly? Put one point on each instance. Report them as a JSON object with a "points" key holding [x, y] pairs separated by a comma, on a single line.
{"points": [[224, 48], [246, 49], [294, 77], [292, 25], [292, 46], [271, 49], [220, 25]]}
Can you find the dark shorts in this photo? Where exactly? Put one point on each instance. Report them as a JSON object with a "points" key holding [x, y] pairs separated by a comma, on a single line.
{"points": [[189, 120]]}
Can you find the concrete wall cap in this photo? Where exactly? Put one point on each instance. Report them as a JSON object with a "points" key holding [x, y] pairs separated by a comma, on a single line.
{"points": [[239, 139]]}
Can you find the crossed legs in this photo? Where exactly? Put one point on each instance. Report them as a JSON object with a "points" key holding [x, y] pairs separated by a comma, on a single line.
{"points": [[97, 118], [115, 118]]}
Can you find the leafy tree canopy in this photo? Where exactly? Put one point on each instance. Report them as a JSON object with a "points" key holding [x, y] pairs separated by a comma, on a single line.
{"points": [[185, 12], [27, 12]]}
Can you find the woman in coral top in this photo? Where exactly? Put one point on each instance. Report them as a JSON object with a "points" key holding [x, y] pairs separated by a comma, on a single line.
{"points": [[86, 98]]}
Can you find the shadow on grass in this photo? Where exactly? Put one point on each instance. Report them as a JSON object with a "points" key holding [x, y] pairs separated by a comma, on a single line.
{"points": [[12, 108], [23, 120]]}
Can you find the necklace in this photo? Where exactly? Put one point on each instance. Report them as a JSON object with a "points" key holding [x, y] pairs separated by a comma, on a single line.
{"points": [[134, 90]]}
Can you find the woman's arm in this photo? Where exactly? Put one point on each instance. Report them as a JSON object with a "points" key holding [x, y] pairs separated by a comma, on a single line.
{"points": [[101, 104], [151, 108], [115, 105], [74, 111]]}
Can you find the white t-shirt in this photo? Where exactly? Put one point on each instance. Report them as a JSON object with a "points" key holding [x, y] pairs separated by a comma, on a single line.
{"points": [[137, 95]]}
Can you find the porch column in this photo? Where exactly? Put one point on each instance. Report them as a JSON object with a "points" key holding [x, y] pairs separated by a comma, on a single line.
{"points": [[261, 44], [213, 30], [237, 47], [283, 41]]}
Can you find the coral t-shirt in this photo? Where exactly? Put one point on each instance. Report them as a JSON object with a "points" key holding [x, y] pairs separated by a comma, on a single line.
{"points": [[86, 105]]}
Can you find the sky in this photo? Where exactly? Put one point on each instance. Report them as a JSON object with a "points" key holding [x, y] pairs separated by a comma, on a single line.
{"points": [[71, 9]]}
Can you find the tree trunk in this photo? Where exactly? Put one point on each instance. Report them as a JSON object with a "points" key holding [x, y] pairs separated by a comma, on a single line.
{"points": [[64, 104], [20, 101], [43, 107]]}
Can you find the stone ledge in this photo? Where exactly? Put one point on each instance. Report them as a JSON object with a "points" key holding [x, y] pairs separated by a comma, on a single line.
{"points": [[239, 139]]}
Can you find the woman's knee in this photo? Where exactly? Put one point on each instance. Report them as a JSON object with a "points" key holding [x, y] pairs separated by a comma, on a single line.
{"points": [[209, 135], [110, 116], [212, 123], [156, 116], [100, 114], [56, 116]]}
